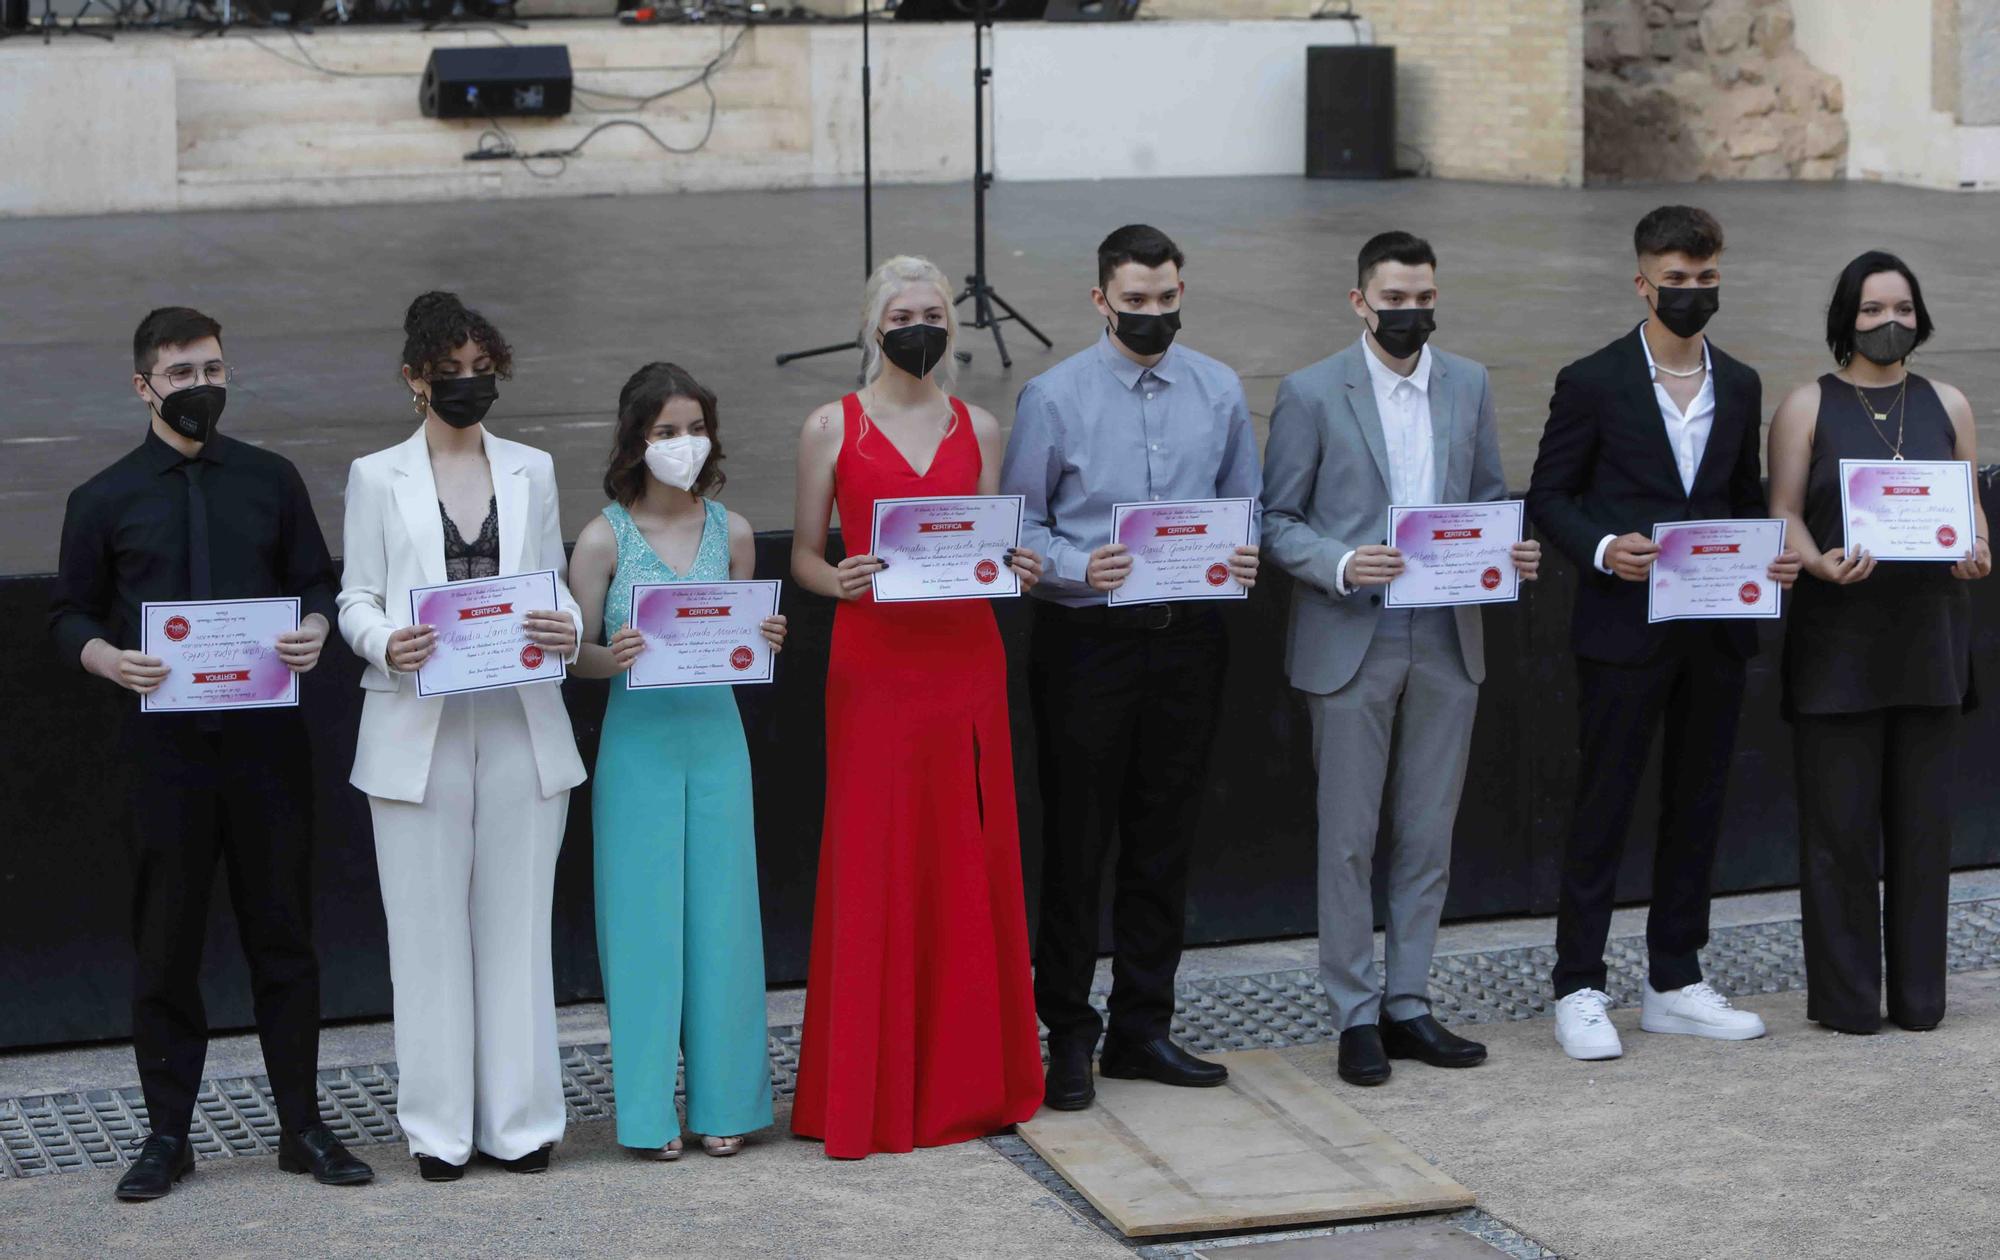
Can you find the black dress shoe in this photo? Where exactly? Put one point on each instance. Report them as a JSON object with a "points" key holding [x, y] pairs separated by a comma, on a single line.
{"points": [[1362, 1059], [318, 1152], [431, 1168], [1426, 1039], [1069, 1086], [1158, 1060], [161, 1162], [533, 1162]]}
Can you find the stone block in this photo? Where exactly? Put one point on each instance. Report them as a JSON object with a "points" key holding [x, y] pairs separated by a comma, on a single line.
{"points": [[1725, 27], [1750, 139], [1825, 136]]}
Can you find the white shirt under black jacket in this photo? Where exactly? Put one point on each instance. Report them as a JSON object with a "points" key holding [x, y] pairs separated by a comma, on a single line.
{"points": [[1687, 431], [1404, 404]]}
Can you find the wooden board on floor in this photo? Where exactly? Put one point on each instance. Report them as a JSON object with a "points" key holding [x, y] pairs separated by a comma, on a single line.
{"points": [[1268, 1148]]}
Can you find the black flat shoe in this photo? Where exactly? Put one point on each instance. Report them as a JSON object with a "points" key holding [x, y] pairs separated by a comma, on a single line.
{"points": [[1428, 1041], [1158, 1060], [161, 1162], [1363, 1061], [534, 1161], [318, 1152], [431, 1168], [1069, 1085]]}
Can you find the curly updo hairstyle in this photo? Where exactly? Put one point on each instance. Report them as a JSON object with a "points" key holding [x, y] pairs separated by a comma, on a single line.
{"points": [[437, 323]]}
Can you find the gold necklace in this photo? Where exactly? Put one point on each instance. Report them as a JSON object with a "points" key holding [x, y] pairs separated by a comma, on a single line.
{"points": [[1875, 418]]}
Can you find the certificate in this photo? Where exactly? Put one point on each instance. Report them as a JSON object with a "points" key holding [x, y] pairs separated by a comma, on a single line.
{"points": [[702, 634], [946, 548], [1915, 509], [482, 639], [219, 654], [1714, 569], [1180, 549], [1455, 553]]}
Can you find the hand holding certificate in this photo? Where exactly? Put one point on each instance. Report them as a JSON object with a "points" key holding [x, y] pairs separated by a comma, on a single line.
{"points": [[1455, 553], [482, 634], [1714, 569], [220, 654], [702, 634], [946, 548], [1180, 549], [1908, 509]]}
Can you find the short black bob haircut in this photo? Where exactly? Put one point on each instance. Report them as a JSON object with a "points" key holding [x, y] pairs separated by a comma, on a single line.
{"points": [[1686, 230], [1136, 242], [169, 326], [1402, 247], [1845, 307]]}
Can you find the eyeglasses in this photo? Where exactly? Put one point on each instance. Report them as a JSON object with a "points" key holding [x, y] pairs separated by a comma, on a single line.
{"points": [[185, 375]]}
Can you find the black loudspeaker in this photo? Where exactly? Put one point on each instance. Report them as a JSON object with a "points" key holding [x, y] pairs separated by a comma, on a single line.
{"points": [[524, 79], [1351, 112]]}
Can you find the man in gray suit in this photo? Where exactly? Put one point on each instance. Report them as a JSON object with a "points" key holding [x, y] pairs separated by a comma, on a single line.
{"points": [[1391, 691]]}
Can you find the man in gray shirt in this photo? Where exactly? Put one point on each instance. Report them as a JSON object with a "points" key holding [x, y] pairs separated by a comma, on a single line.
{"points": [[1125, 698]]}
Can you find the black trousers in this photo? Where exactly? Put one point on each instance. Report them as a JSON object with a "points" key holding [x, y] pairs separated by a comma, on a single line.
{"points": [[239, 793], [1692, 693], [1875, 794], [1124, 717]]}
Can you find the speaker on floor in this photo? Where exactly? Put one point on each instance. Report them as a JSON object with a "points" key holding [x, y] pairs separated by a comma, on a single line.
{"points": [[1351, 112], [531, 80]]}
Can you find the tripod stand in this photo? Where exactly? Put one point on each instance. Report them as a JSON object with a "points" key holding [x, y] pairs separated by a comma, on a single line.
{"points": [[982, 293]]}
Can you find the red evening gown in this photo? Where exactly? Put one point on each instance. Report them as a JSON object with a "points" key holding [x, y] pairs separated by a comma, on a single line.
{"points": [[920, 1015]]}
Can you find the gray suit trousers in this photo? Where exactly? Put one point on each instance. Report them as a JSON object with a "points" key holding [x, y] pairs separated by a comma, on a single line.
{"points": [[1397, 734]]}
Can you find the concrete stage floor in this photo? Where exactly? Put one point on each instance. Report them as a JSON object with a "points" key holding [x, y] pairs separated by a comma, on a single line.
{"points": [[587, 290]]}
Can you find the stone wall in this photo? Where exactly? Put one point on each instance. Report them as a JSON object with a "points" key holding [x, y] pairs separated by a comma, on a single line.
{"points": [[1705, 89]]}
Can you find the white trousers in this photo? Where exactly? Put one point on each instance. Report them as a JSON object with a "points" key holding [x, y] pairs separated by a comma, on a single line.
{"points": [[468, 878]]}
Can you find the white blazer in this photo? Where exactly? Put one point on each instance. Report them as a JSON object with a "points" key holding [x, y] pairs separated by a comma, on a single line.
{"points": [[394, 540]]}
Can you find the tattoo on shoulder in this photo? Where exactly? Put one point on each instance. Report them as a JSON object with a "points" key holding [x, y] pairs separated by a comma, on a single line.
{"points": [[823, 422]]}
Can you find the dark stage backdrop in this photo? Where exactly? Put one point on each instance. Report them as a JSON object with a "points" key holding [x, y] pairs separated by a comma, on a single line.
{"points": [[65, 958]]}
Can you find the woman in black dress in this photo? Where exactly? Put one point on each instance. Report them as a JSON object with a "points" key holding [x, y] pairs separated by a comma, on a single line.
{"points": [[1877, 664]]}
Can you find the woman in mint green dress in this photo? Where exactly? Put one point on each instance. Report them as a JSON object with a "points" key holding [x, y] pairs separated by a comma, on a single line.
{"points": [[679, 938]]}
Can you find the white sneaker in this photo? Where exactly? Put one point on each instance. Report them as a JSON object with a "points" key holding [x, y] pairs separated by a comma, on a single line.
{"points": [[1697, 1011], [1583, 1029]]}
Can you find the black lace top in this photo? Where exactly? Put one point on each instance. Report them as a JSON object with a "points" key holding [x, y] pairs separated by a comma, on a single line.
{"points": [[479, 558]]}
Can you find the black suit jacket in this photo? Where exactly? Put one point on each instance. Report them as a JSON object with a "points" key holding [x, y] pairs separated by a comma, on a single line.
{"points": [[1606, 466]]}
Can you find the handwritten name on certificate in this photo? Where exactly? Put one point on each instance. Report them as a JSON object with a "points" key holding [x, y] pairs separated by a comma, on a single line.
{"points": [[1714, 569], [946, 548], [482, 637], [702, 634], [1180, 549], [1455, 553], [1914, 509], [219, 654]]}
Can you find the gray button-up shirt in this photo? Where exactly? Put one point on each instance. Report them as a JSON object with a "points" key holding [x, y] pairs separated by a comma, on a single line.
{"points": [[1098, 429]]}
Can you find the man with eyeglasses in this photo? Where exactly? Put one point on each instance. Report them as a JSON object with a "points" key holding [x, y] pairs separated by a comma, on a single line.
{"points": [[191, 515]]}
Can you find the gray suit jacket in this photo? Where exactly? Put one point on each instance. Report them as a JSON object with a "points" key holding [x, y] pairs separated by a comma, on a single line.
{"points": [[1326, 492]]}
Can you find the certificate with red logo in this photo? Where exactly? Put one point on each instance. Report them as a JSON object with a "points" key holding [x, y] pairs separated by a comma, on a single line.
{"points": [[1714, 569], [702, 634], [482, 637], [1455, 553], [219, 654], [946, 548], [1181, 548], [1916, 509]]}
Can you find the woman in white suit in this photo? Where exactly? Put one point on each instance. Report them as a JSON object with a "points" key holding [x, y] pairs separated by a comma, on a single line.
{"points": [[468, 792]]}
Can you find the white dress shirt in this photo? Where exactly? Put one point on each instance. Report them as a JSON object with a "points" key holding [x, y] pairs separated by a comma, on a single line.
{"points": [[1687, 431], [1404, 404]]}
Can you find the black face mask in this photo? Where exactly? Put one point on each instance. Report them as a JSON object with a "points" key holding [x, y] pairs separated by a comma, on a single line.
{"points": [[1886, 344], [1686, 311], [1401, 331], [916, 348], [1146, 334], [193, 412], [463, 401]]}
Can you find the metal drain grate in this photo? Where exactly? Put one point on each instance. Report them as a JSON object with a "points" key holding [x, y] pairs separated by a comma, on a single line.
{"points": [[56, 1133]]}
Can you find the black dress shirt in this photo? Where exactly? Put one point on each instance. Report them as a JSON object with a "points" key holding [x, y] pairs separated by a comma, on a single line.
{"points": [[125, 540]]}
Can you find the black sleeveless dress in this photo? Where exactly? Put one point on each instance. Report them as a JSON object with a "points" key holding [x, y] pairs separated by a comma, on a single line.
{"points": [[1903, 636]]}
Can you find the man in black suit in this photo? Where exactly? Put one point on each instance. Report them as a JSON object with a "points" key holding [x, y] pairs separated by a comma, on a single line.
{"points": [[1657, 426]]}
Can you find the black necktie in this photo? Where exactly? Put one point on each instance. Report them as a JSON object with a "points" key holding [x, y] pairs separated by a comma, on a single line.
{"points": [[199, 586]]}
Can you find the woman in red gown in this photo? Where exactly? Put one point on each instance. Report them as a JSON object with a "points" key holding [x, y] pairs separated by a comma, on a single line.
{"points": [[920, 1016]]}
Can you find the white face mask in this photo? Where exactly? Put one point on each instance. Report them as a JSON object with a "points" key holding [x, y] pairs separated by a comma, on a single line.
{"points": [[677, 461]]}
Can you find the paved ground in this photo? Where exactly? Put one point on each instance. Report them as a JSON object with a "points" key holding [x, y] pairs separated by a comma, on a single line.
{"points": [[587, 290]]}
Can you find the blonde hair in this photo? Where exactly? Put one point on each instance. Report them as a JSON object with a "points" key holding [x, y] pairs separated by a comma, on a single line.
{"points": [[891, 278]]}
